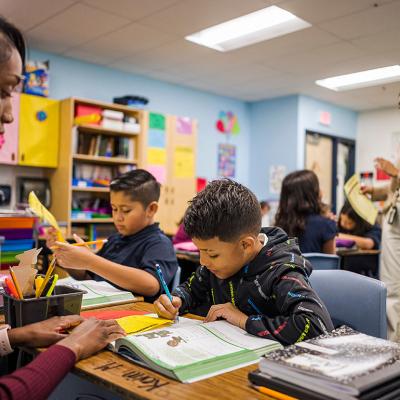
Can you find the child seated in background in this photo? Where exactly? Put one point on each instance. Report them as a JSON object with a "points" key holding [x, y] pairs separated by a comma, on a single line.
{"points": [[129, 257], [301, 213], [256, 281], [265, 217], [353, 227]]}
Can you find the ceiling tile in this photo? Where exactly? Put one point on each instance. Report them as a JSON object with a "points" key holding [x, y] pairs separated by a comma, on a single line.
{"points": [[126, 41], [132, 9], [190, 16], [76, 25], [27, 14], [315, 11], [368, 22], [379, 42]]}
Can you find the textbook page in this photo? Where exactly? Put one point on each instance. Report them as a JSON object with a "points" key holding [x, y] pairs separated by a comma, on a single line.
{"points": [[179, 346]]}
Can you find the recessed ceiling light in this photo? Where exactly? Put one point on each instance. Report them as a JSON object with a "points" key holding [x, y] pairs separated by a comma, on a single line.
{"points": [[248, 29], [361, 79]]}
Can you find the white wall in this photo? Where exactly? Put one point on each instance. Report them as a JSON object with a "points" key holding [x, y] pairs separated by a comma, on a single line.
{"points": [[374, 136]]}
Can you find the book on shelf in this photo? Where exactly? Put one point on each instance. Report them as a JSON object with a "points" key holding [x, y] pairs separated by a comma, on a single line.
{"points": [[343, 364], [190, 350], [98, 293]]}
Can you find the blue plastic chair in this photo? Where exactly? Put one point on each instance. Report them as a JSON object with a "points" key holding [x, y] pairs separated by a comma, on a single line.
{"points": [[177, 279], [323, 261], [353, 299]]}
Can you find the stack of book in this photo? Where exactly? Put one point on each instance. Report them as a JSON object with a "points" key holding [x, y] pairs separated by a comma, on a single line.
{"points": [[18, 231], [343, 364]]}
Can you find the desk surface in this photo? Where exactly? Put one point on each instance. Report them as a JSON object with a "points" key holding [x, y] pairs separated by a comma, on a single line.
{"points": [[132, 381], [356, 252]]}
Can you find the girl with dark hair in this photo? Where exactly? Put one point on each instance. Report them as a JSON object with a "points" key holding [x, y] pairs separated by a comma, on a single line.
{"points": [[301, 213], [353, 227]]}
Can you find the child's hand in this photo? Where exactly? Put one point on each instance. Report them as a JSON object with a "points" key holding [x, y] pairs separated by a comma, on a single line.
{"points": [[166, 309], [73, 257], [51, 237], [228, 312]]}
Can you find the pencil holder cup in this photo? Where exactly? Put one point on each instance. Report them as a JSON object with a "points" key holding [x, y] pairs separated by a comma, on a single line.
{"points": [[64, 301]]}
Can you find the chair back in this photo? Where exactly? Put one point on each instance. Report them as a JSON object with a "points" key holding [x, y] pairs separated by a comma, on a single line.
{"points": [[323, 261], [353, 299]]}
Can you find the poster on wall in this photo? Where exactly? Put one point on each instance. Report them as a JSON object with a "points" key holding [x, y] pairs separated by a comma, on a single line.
{"points": [[184, 125], [226, 160], [183, 162], [227, 123], [276, 175]]}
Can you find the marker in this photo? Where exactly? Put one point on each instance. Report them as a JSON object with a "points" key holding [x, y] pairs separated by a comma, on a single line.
{"points": [[53, 285], [164, 284], [11, 288]]}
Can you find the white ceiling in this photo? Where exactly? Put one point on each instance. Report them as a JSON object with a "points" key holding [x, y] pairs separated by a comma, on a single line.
{"points": [[147, 37]]}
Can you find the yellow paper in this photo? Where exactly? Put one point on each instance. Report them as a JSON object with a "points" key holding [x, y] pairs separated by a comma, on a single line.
{"points": [[183, 162], [156, 156], [141, 323], [361, 204], [42, 212]]}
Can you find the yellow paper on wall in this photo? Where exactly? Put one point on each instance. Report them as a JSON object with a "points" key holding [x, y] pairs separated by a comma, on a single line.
{"points": [[183, 162], [156, 156], [361, 204], [141, 323]]}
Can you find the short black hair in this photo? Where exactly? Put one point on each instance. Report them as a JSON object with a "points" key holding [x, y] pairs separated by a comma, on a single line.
{"points": [[224, 209], [139, 184], [11, 37]]}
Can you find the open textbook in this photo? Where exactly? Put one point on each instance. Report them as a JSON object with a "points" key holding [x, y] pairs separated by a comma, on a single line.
{"points": [[343, 364], [190, 350], [98, 293], [361, 204]]}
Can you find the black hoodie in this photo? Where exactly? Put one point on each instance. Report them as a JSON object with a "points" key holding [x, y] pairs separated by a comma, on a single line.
{"points": [[273, 290]]}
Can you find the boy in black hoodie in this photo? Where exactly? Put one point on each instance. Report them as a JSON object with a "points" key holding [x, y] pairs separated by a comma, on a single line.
{"points": [[257, 281]]}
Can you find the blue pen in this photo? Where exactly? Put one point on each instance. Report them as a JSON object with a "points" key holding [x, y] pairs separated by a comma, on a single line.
{"points": [[164, 284]]}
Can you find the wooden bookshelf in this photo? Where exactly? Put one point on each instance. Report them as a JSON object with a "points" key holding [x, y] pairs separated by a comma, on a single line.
{"points": [[103, 160], [90, 189], [104, 131], [64, 194]]}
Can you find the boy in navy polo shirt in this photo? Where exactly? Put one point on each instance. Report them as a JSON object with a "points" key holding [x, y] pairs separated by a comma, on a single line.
{"points": [[253, 277], [128, 258]]}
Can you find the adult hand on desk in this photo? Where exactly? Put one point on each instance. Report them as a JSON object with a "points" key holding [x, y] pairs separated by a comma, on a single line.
{"points": [[228, 312], [91, 336], [166, 309], [73, 257], [43, 333]]}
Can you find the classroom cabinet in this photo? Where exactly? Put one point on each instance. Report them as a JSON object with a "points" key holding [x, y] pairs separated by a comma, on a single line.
{"points": [[32, 138], [39, 126], [170, 155]]}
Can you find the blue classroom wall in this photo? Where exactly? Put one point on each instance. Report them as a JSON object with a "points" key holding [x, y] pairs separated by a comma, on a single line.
{"points": [[273, 140], [343, 122], [278, 128], [70, 77]]}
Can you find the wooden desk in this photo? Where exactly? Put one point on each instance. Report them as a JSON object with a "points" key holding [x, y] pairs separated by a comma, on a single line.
{"points": [[365, 262], [131, 381], [189, 256]]}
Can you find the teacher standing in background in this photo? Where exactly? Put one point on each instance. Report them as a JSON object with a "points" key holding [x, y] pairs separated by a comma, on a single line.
{"points": [[390, 253]]}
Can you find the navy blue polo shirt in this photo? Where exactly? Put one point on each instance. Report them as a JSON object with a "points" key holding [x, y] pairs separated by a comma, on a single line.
{"points": [[318, 230], [142, 250]]}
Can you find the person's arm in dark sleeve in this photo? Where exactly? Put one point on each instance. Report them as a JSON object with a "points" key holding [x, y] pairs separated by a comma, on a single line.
{"points": [[195, 291], [302, 314], [375, 233], [40, 377]]}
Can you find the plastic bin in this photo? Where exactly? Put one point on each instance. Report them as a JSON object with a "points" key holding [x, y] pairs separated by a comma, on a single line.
{"points": [[64, 301]]}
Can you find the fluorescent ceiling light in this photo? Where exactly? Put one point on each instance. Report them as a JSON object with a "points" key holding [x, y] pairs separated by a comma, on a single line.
{"points": [[252, 28], [361, 79]]}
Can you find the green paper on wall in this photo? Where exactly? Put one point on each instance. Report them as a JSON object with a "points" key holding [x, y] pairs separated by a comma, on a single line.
{"points": [[157, 121]]}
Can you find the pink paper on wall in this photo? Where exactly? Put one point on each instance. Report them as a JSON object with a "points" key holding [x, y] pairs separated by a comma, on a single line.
{"points": [[184, 125], [158, 171]]}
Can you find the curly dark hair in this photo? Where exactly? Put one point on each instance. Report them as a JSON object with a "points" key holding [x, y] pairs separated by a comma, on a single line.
{"points": [[139, 184], [300, 197], [224, 209], [361, 225], [10, 37]]}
